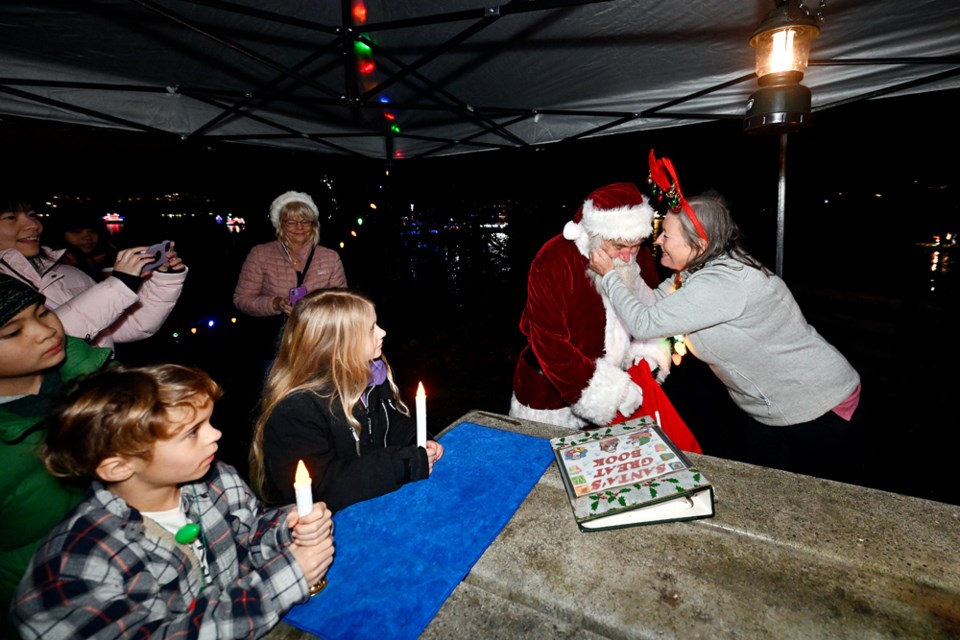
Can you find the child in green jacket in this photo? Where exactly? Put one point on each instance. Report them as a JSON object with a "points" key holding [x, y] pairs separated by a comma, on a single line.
{"points": [[36, 361]]}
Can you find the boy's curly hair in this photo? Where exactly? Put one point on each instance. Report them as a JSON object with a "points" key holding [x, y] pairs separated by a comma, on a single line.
{"points": [[121, 411]]}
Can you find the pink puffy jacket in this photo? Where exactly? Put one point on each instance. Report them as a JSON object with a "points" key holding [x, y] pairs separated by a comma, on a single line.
{"points": [[105, 312], [267, 273]]}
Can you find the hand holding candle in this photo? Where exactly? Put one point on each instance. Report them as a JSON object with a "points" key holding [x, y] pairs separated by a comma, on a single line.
{"points": [[421, 417], [304, 493]]}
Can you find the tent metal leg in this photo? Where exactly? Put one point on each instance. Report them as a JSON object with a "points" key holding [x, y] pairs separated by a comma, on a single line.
{"points": [[781, 202]]}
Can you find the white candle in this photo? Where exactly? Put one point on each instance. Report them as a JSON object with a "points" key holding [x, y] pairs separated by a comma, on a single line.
{"points": [[421, 417], [301, 486], [304, 493]]}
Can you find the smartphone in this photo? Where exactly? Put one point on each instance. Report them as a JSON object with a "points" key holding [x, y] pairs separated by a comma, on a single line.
{"points": [[159, 252], [296, 293]]}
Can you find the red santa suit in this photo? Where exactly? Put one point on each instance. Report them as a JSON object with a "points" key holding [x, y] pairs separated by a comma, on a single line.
{"points": [[573, 372]]}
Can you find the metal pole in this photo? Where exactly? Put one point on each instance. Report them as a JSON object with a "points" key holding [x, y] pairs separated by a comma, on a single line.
{"points": [[781, 202]]}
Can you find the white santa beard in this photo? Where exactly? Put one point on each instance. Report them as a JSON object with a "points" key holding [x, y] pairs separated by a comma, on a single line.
{"points": [[629, 271]]}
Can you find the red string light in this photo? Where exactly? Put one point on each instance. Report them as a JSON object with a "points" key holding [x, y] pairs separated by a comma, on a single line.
{"points": [[359, 12]]}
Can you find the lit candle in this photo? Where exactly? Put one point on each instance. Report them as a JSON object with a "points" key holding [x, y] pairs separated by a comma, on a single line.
{"points": [[301, 486], [421, 417]]}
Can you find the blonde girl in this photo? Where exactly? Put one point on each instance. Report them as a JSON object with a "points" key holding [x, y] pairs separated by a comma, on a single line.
{"points": [[331, 401]]}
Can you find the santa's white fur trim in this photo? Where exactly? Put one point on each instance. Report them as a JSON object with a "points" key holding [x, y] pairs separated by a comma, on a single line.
{"points": [[599, 401], [616, 337], [582, 243], [572, 230], [286, 198], [558, 417], [633, 222]]}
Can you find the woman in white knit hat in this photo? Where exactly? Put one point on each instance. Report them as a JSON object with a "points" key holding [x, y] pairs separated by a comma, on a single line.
{"points": [[276, 274]]}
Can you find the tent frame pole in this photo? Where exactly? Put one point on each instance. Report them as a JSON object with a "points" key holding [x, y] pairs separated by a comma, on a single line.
{"points": [[781, 202]]}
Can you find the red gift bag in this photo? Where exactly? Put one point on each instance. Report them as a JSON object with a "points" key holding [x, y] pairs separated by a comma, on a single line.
{"points": [[656, 403]]}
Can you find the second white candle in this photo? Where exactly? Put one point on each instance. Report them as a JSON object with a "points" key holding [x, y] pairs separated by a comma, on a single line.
{"points": [[421, 417]]}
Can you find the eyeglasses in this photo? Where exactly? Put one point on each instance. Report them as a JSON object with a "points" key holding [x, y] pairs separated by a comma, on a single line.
{"points": [[290, 224]]}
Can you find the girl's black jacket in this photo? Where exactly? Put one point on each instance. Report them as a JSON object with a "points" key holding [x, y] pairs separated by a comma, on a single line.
{"points": [[344, 468]]}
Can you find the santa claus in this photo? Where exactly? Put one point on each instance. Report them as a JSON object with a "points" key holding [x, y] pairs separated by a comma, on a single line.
{"points": [[573, 372]]}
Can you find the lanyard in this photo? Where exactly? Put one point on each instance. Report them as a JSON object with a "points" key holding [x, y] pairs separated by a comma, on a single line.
{"points": [[302, 274]]}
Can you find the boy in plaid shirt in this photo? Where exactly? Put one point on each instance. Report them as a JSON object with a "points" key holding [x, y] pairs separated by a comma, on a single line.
{"points": [[168, 542]]}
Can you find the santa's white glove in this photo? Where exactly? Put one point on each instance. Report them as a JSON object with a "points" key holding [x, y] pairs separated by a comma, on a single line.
{"points": [[632, 401], [657, 354]]}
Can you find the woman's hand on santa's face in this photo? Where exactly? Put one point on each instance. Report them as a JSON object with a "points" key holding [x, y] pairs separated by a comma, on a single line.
{"points": [[600, 262]]}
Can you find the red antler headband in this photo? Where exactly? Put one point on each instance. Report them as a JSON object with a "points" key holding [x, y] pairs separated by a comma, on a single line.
{"points": [[663, 181]]}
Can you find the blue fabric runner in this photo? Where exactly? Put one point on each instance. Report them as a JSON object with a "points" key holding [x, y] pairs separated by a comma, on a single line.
{"points": [[399, 556]]}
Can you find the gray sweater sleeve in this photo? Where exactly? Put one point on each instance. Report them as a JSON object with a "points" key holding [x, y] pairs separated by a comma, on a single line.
{"points": [[708, 298]]}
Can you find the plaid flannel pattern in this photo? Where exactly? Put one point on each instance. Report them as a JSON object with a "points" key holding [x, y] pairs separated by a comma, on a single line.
{"points": [[99, 575]]}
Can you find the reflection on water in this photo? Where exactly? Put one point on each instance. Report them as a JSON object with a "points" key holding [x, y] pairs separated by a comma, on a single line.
{"points": [[478, 268], [941, 249], [498, 249], [426, 274], [472, 257]]}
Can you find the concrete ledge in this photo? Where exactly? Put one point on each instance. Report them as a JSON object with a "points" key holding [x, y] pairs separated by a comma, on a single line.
{"points": [[787, 557]]}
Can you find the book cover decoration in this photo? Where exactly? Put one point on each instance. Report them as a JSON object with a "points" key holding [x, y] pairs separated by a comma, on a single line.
{"points": [[630, 474]]}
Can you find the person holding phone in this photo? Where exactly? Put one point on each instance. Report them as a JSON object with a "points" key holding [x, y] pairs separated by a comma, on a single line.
{"points": [[130, 305], [160, 254], [276, 274]]}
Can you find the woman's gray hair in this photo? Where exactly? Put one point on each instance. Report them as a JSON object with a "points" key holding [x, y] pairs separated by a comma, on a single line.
{"points": [[722, 231]]}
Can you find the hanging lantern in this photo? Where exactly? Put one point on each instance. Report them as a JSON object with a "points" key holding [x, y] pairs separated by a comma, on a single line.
{"points": [[782, 44]]}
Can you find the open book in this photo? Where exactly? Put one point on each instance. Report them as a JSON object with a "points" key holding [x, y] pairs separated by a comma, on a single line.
{"points": [[630, 474]]}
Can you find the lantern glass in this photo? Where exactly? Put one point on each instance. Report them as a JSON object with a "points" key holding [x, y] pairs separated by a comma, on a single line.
{"points": [[784, 50]]}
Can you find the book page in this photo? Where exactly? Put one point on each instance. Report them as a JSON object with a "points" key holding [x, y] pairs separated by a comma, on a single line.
{"points": [[695, 505]]}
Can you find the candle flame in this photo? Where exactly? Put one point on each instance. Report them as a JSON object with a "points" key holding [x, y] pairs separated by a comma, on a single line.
{"points": [[303, 476], [420, 392]]}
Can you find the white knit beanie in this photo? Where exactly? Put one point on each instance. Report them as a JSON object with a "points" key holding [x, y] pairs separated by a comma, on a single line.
{"points": [[286, 198]]}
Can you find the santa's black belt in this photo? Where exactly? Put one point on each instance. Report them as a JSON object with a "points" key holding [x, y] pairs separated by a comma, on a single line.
{"points": [[531, 359]]}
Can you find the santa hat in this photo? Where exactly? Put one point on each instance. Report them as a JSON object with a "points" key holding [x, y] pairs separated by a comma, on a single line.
{"points": [[614, 212], [286, 198]]}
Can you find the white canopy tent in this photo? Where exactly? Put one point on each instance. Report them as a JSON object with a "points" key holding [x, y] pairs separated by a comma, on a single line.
{"points": [[447, 76]]}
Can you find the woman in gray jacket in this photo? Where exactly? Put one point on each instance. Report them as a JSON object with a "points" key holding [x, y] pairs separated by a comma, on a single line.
{"points": [[800, 396]]}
